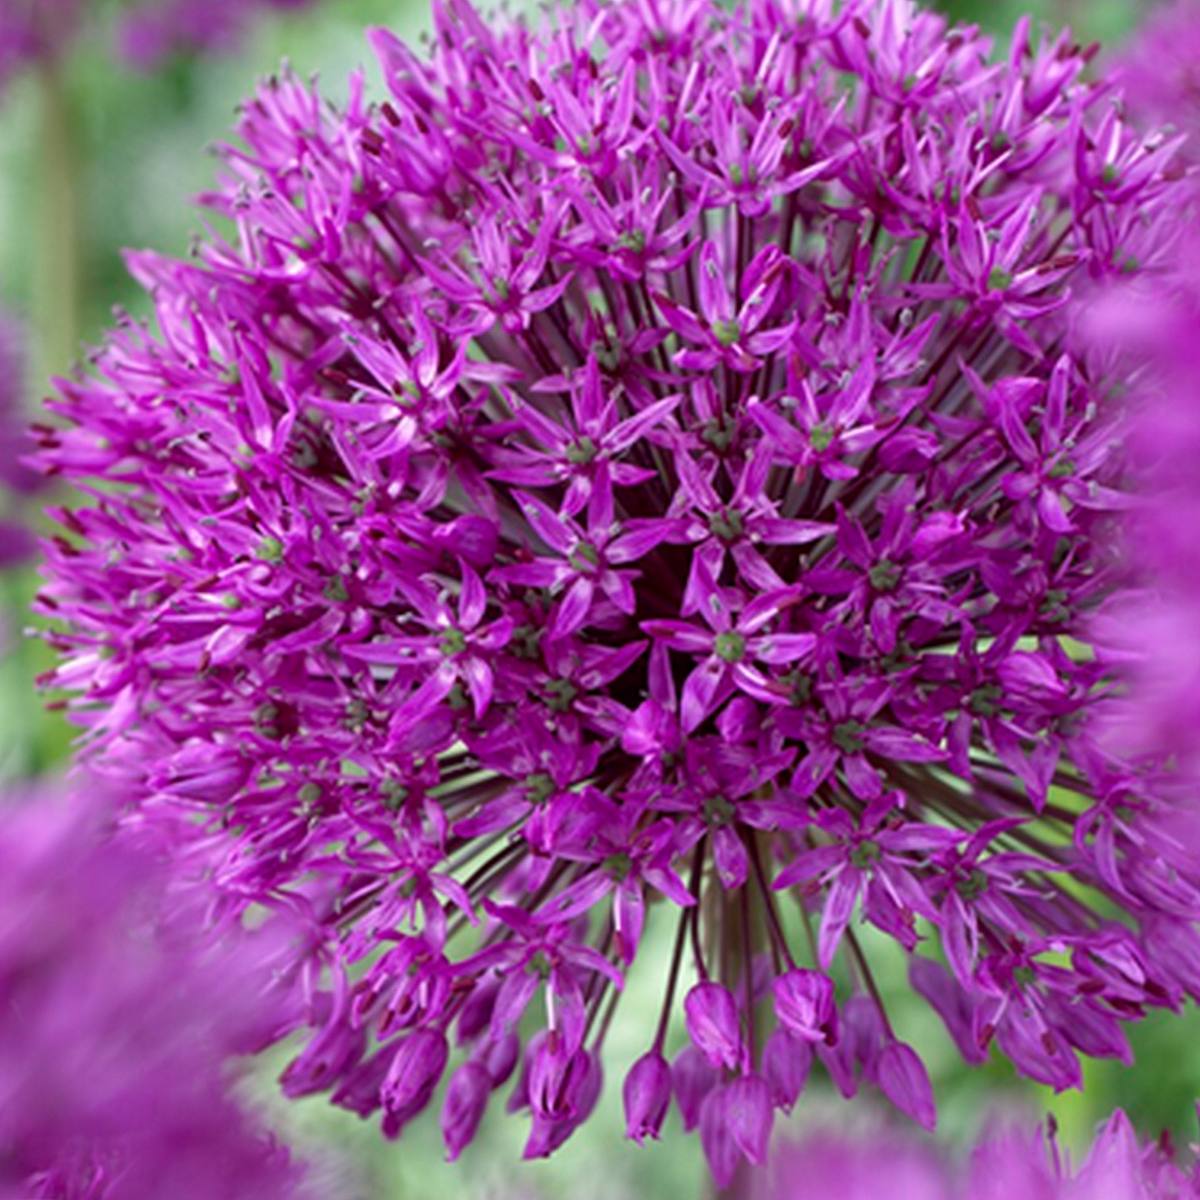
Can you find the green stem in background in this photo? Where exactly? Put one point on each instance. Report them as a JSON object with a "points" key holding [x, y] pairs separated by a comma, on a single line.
{"points": [[56, 283]]}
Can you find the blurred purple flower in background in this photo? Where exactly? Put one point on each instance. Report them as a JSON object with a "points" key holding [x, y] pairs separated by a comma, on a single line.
{"points": [[155, 29], [640, 468], [1007, 1161], [1159, 71], [33, 31], [1158, 322], [118, 1024], [1157, 629], [39, 31]]}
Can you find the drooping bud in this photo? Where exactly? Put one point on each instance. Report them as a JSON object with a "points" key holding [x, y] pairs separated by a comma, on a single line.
{"points": [[804, 1004], [856, 1052], [647, 1094], [359, 1090], [746, 1102], [466, 1098], [585, 1079], [555, 1081], [905, 1082], [692, 1077], [786, 1062], [717, 1139], [477, 1011], [714, 1026], [735, 1121], [410, 1081], [327, 1058], [499, 1056]]}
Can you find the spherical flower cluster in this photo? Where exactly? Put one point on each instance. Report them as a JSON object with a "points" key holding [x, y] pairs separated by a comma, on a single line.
{"points": [[1008, 1161], [116, 1026], [639, 472]]}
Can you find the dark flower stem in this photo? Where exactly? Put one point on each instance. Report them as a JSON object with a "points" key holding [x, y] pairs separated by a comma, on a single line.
{"points": [[672, 979]]}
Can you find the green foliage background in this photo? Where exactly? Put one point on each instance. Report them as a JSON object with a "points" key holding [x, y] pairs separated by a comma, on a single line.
{"points": [[138, 154]]}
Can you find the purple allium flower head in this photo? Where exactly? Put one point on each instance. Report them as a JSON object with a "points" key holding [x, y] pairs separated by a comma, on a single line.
{"points": [[1007, 1161], [637, 472], [117, 1023]]}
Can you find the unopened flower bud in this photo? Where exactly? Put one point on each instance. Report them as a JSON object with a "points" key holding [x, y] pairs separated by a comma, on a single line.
{"points": [[714, 1025], [804, 1004], [905, 1082], [466, 1098], [692, 1078], [410, 1081], [647, 1095]]}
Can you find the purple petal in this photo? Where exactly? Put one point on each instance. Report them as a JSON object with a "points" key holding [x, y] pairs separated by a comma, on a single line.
{"points": [[905, 1082]]}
